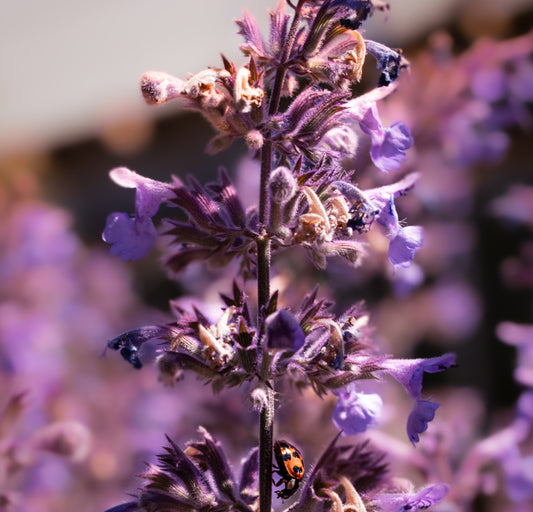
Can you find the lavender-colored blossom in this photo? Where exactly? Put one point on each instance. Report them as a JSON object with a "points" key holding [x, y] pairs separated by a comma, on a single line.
{"points": [[410, 372], [422, 413], [389, 145], [518, 472], [356, 411], [133, 238], [283, 331], [520, 336], [412, 502], [404, 240]]}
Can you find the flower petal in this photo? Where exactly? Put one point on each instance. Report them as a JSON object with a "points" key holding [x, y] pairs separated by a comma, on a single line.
{"points": [[130, 239]]}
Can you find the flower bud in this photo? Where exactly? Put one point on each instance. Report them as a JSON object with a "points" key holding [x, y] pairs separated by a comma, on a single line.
{"points": [[158, 87], [282, 185], [254, 139]]}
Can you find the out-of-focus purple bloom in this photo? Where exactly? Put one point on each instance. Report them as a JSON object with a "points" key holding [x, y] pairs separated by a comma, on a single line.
{"points": [[404, 241], [284, 331], [424, 498], [516, 204], [518, 473], [133, 238], [356, 411], [422, 413], [520, 336], [409, 372], [389, 62], [489, 84]]}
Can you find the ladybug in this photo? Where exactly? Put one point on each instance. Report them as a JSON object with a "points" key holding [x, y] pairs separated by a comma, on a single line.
{"points": [[290, 467]]}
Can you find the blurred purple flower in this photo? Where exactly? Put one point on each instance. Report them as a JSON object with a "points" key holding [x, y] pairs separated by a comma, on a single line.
{"points": [[518, 473], [356, 411], [424, 498], [520, 336], [422, 413], [133, 238]]}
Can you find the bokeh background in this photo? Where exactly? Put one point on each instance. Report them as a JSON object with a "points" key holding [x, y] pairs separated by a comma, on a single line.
{"points": [[78, 424]]}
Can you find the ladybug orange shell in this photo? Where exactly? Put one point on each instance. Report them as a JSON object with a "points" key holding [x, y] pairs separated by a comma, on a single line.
{"points": [[290, 468]]}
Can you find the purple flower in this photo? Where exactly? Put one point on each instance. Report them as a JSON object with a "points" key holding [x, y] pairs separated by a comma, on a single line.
{"points": [[402, 502], [133, 238], [356, 411], [388, 144], [130, 238], [422, 413], [518, 473], [409, 372], [283, 331], [404, 241]]}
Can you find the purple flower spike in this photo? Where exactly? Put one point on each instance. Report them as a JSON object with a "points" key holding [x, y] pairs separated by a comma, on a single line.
{"points": [[284, 331], [129, 238], [422, 499], [133, 238], [409, 372], [356, 411], [422, 413]]}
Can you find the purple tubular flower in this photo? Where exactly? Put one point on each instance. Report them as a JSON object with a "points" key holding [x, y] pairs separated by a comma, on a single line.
{"points": [[404, 241], [133, 238], [283, 331], [389, 145], [422, 413], [402, 247], [424, 498], [356, 411], [409, 372]]}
